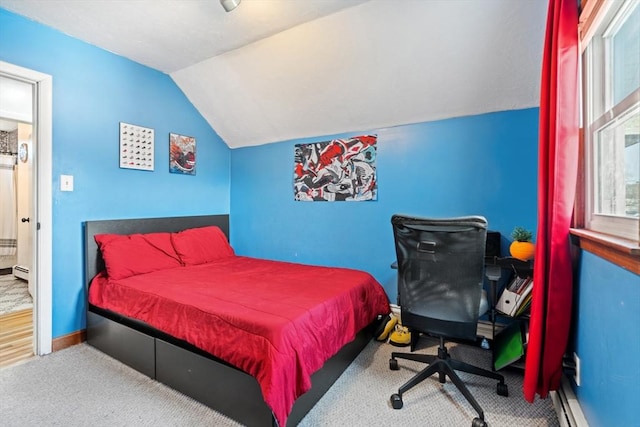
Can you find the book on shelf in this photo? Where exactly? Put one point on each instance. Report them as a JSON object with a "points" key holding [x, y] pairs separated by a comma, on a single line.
{"points": [[517, 284], [486, 328], [516, 296], [524, 306]]}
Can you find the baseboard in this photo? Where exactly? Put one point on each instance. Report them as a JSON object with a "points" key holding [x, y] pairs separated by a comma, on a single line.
{"points": [[69, 340], [395, 309], [567, 406], [485, 328]]}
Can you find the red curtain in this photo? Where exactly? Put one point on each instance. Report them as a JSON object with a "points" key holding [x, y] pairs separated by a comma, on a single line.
{"points": [[557, 174]]}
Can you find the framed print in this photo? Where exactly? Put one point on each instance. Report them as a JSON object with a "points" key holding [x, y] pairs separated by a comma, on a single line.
{"points": [[182, 154], [336, 170], [136, 147]]}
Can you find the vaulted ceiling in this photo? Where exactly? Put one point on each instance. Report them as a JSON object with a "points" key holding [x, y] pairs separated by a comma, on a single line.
{"points": [[274, 70]]}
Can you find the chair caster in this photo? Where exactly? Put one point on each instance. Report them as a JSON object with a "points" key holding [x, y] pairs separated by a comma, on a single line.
{"points": [[393, 364], [396, 401], [502, 389], [477, 422]]}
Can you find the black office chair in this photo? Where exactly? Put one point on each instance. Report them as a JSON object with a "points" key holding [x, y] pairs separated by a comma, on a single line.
{"points": [[440, 276]]}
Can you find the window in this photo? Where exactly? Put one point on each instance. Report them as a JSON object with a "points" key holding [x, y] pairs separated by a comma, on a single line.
{"points": [[611, 120]]}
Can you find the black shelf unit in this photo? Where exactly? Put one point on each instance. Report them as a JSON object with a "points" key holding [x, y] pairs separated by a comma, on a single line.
{"points": [[497, 268]]}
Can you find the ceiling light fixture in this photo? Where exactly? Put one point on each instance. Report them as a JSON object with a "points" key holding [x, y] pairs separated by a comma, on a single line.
{"points": [[229, 5]]}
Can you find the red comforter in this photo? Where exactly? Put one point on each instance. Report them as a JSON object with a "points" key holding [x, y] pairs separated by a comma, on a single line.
{"points": [[277, 321]]}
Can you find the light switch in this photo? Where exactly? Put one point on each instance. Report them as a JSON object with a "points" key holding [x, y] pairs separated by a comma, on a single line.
{"points": [[66, 182]]}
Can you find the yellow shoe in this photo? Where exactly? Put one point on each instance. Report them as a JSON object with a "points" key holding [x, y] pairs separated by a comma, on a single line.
{"points": [[401, 337], [386, 326]]}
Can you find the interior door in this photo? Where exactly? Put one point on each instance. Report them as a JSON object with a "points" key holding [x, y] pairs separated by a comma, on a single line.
{"points": [[24, 256]]}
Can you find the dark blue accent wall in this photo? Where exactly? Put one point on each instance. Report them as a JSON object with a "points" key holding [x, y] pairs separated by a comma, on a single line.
{"points": [[484, 164]]}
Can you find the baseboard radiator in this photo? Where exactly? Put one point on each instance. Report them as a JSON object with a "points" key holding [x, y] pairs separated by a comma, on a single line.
{"points": [[21, 272], [567, 406]]}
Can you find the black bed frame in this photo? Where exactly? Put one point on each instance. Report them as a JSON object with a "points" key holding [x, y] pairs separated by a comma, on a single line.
{"points": [[177, 363]]}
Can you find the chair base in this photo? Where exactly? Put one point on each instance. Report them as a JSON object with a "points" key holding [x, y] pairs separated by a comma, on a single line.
{"points": [[444, 366]]}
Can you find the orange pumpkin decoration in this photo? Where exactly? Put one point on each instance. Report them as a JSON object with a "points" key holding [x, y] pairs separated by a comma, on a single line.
{"points": [[522, 248]]}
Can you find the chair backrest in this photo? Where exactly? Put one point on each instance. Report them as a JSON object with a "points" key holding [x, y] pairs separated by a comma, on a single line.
{"points": [[440, 273]]}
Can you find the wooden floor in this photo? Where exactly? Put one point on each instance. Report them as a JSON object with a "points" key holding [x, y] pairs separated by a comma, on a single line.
{"points": [[16, 337]]}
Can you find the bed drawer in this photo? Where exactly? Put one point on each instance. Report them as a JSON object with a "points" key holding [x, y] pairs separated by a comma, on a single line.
{"points": [[217, 385], [121, 342]]}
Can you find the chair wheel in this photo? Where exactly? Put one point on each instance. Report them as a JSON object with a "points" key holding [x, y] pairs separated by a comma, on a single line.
{"points": [[393, 364], [502, 389], [477, 422], [396, 401]]}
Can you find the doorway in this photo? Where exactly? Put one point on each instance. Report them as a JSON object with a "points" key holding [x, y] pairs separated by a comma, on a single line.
{"points": [[16, 288], [39, 220]]}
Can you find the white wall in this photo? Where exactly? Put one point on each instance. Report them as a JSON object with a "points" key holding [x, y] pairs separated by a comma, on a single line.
{"points": [[15, 102], [16, 106], [23, 173]]}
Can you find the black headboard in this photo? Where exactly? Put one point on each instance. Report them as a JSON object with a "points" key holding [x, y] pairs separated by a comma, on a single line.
{"points": [[93, 259]]}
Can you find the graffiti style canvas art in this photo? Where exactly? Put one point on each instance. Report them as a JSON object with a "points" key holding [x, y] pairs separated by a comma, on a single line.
{"points": [[336, 170], [182, 154]]}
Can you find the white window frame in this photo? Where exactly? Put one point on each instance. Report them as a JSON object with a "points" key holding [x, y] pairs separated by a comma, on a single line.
{"points": [[599, 112]]}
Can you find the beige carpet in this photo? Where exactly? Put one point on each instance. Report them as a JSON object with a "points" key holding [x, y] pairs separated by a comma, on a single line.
{"points": [[81, 386]]}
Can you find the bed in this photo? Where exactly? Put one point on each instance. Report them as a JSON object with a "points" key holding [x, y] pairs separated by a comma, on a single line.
{"points": [[259, 341]]}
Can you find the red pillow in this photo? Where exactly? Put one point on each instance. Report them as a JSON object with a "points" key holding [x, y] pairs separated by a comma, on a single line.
{"points": [[201, 245], [128, 255]]}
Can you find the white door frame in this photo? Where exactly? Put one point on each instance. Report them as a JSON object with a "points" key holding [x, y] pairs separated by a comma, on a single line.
{"points": [[42, 251]]}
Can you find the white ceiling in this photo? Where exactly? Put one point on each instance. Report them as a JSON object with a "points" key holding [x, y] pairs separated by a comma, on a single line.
{"points": [[273, 70]]}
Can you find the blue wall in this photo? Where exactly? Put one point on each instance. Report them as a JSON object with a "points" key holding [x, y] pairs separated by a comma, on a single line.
{"points": [[483, 164], [607, 340], [94, 90]]}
